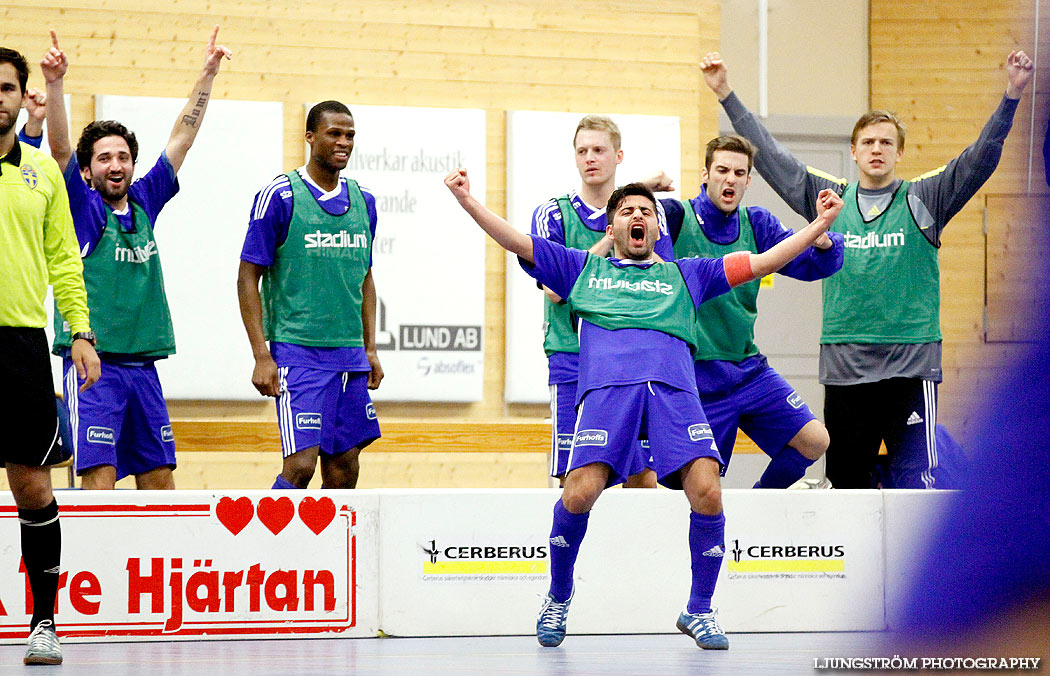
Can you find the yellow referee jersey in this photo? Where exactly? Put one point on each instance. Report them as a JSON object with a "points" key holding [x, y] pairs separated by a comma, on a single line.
{"points": [[38, 245]]}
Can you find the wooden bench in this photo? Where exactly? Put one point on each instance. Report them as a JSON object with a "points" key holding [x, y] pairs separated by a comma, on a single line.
{"points": [[399, 436]]}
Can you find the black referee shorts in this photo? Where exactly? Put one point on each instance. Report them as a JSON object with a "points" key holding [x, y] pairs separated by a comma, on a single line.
{"points": [[28, 415]]}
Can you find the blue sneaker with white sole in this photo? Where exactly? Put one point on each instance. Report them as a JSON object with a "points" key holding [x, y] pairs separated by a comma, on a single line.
{"points": [[704, 628], [550, 625]]}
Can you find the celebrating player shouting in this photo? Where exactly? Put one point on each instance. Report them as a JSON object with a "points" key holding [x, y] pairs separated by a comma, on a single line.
{"points": [[636, 378]]}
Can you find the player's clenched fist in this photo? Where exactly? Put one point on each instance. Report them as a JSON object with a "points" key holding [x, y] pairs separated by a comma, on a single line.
{"points": [[829, 204], [458, 183]]}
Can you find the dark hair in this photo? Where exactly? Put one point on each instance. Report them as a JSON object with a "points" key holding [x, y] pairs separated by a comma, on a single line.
{"points": [[19, 62], [100, 129], [874, 117], [313, 118], [622, 193], [732, 143]]}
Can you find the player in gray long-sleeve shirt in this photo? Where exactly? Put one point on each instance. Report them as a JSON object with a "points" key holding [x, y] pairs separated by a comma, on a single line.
{"points": [[880, 352]]}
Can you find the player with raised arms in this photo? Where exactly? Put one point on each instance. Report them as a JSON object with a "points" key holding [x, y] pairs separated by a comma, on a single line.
{"points": [[637, 335], [121, 426], [880, 347]]}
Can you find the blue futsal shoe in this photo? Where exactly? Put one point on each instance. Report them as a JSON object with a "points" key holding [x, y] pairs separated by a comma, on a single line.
{"points": [[705, 629], [550, 625]]}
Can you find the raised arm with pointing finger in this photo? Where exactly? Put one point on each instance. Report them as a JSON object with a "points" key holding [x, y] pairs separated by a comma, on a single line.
{"points": [[54, 66], [880, 353], [114, 220]]}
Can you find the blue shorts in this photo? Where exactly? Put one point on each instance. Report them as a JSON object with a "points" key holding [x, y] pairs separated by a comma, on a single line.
{"points": [[563, 427], [121, 420], [765, 407], [328, 409], [611, 420]]}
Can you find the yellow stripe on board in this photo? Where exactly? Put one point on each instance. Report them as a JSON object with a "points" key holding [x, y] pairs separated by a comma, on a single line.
{"points": [[788, 566], [484, 567]]}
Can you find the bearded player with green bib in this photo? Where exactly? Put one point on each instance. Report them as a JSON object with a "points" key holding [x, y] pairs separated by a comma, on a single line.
{"points": [[121, 426], [880, 351], [637, 321]]}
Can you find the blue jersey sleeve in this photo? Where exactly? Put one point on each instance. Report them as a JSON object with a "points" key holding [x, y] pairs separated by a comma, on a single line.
{"points": [[674, 214], [546, 222], [664, 246], [810, 265], [34, 141], [556, 267], [88, 210], [373, 218], [268, 225], [156, 188], [704, 277]]}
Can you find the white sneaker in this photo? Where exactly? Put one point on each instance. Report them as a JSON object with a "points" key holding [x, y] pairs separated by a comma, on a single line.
{"points": [[44, 647], [810, 484]]}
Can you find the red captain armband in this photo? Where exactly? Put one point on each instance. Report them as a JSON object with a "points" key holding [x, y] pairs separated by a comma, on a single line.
{"points": [[738, 268]]}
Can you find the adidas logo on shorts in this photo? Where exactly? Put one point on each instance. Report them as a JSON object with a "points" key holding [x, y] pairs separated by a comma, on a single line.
{"points": [[914, 418]]}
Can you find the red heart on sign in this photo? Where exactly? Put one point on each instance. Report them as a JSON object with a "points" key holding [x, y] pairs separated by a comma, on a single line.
{"points": [[275, 514], [235, 514], [317, 514]]}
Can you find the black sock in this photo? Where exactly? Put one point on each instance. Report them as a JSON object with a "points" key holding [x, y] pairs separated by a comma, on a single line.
{"points": [[41, 551]]}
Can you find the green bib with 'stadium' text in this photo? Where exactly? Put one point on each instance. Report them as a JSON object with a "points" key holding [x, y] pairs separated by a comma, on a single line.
{"points": [[652, 297], [125, 289], [725, 325], [312, 292], [559, 335], [888, 290]]}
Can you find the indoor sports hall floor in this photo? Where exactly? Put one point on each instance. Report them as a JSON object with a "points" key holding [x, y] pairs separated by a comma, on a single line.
{"points": [[635, 655]]}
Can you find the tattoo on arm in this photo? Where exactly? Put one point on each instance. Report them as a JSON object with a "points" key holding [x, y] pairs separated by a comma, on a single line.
{"points": [[193, 118]]}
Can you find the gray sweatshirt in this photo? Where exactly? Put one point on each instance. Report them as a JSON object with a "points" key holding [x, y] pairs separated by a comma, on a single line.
{"points": [[934, 198]]}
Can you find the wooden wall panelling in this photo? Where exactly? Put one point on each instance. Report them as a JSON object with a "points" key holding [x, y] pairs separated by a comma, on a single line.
{"points": [[602, 55]]}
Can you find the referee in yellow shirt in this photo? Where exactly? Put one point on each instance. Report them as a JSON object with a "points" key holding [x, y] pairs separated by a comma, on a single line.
{"points": [[37, 247]]}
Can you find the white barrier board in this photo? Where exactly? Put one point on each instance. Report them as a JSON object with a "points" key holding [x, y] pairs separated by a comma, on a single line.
{"points": [[149, 565], [428, 255], [541, 165], [201, 231], [154, 565], [476, 562], [802, 561]]}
